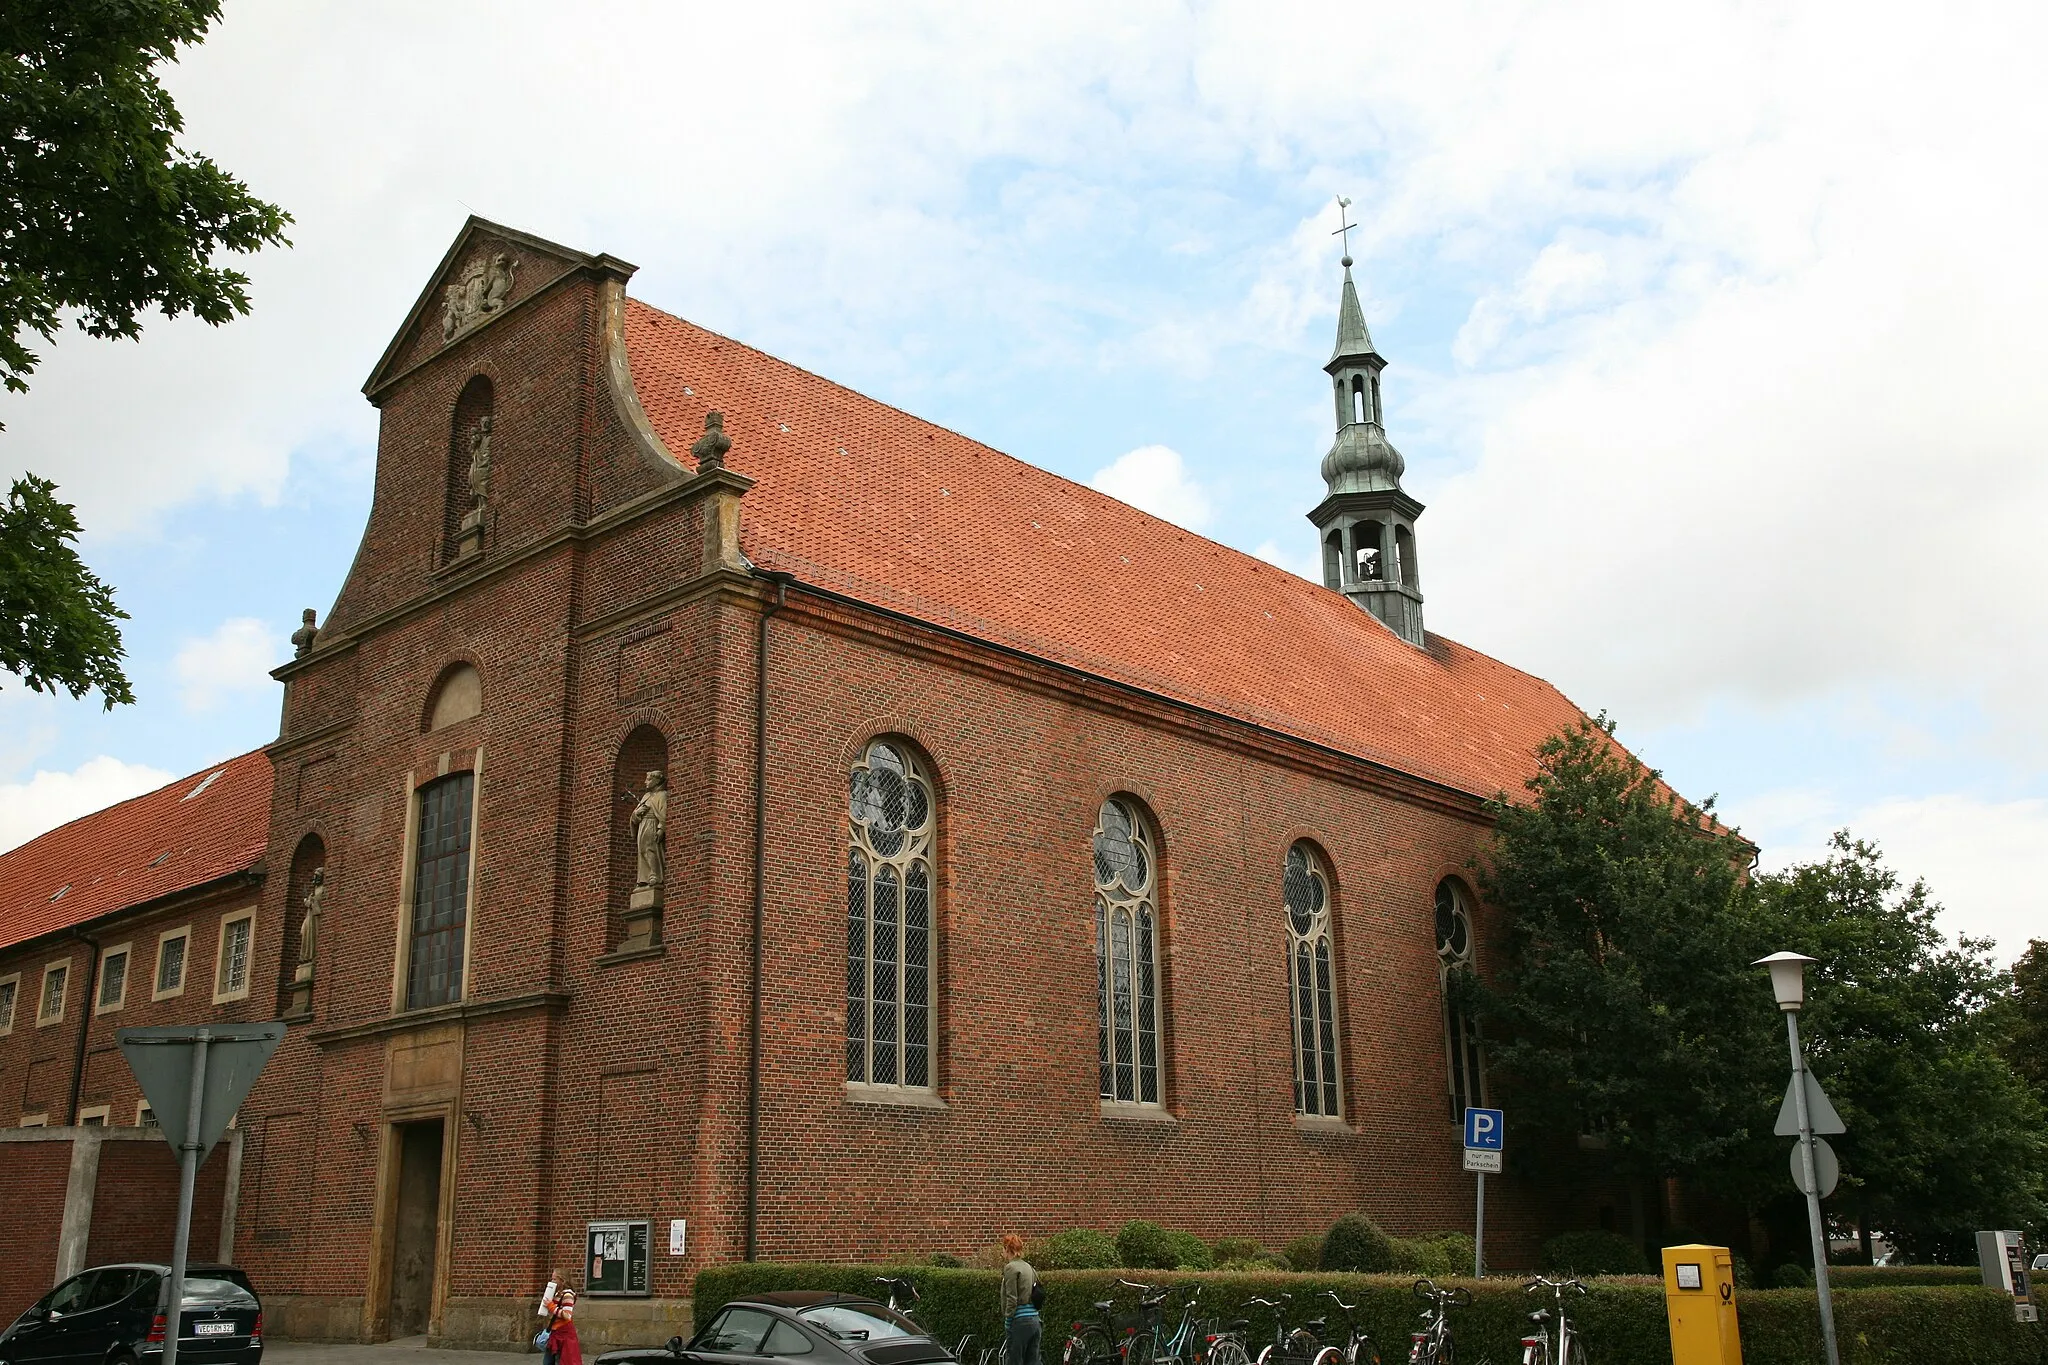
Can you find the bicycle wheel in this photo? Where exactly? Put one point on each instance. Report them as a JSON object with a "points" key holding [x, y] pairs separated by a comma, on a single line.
{"points": [[1140, 1350], [1229, 1351], [1537, 1352], [1574, 1354], [1329, 1355], [1090, 1346]]}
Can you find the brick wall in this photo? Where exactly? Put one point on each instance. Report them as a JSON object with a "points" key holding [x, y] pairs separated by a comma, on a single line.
{"points": [[35, 1175], [135, 1203]]}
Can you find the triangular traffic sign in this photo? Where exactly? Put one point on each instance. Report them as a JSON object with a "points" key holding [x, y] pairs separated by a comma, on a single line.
{"points": [[161, 1059], [1818, 1110]]}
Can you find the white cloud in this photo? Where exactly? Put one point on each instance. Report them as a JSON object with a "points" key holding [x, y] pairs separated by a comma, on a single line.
{"points": [[1155, 479], [1301, 564], [1980, 858], [49, 799], [233, 661]]}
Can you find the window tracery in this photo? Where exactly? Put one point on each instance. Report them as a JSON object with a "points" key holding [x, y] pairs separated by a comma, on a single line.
{"points": [[1126, 955], [889, 921], [1454, 952], [1311, 980]]}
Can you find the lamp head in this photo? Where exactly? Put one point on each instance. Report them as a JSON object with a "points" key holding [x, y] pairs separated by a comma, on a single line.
{"points": [[1788, 977]]}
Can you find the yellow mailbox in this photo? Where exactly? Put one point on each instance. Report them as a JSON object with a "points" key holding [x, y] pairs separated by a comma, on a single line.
{"points": [[1699, 1298]]}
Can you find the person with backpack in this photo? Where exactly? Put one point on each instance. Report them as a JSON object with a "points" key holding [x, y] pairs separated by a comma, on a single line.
{"points": [[1022, 1296]]}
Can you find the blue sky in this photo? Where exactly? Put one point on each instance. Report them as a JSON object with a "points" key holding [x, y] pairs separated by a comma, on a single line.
{"points": [[1714, 336]]}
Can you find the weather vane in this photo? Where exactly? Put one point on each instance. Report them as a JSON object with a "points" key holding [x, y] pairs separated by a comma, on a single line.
{"points": [[1344, 231]]}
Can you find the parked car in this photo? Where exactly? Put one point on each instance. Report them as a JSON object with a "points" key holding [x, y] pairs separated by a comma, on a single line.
{"points": [[118, 1314], [822, 1327]]}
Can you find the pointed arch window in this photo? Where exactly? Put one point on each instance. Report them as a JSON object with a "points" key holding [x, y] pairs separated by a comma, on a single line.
{"points": [[1466, 1065], [1126, 955], [1311, 982], [889, 935], [1360, 412]]}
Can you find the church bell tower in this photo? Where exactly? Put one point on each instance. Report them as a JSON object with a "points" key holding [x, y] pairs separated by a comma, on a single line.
{"points": [[1367, 523]]}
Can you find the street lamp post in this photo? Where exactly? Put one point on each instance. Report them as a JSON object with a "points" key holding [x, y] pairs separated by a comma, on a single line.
{"points": [[1788, 983]]}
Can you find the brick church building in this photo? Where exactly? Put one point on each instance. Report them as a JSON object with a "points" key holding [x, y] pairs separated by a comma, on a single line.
{"points": [[754, 821]]}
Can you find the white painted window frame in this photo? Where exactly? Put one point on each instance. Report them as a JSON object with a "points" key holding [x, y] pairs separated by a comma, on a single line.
{"points": [[34, 1121], [13, 1004], [156, 970], [223, 993], [103, 1112], [43, 993], [143, 1110], [126, 952]]}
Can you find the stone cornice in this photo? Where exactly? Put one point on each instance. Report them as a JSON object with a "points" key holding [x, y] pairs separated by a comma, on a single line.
{"points": [[461, 1012]]}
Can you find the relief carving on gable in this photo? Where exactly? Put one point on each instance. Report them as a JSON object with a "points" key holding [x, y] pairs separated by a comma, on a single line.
{"points": [[481, 289]]}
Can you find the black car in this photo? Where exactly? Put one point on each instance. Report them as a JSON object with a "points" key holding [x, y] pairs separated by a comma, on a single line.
{"points": [[824, 1328], [118, 1315]]}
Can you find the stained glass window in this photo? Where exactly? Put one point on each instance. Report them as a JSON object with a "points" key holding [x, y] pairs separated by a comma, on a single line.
{"points": [[1126, 956], [889, 949], [1311, 980], [1465, 1065]]}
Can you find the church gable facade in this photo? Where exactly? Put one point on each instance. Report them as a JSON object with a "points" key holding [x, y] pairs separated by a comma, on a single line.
{"points": [[736, 801]]}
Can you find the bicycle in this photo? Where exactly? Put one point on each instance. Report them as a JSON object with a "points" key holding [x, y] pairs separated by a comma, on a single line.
{"points": [[907, 1288], [1537, 1349], [986, 1356], [1296, 1347], [1358, 1348], [1433, 1344], [1097, 1340], [1154, 1345]]}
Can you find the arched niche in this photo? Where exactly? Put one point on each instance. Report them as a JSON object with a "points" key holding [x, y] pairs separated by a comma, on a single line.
{"points": [[633, 921], [458, 696], [309, 858], [473, 414]]}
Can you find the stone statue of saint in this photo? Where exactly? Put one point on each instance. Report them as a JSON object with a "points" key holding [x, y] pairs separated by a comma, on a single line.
{"points": [[303, 637], [309, 927], [650, 823], [480, 460]]}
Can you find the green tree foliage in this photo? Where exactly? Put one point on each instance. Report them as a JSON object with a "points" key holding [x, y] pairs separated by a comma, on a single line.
{"points": [[1904, 1030], [57, 621], [2023, 1019], [1354, 1242], [1625, 1005], [100, 210]]}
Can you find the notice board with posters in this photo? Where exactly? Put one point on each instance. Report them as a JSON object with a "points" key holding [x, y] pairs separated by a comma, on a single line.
{"points": [[615, 1258]]}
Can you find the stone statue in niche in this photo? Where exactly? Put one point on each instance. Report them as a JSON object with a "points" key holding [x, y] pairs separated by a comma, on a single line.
{"points": [[710, 448], [471, 538], [650, 823], [481, 290], [303, 637], [309, 926], [642, 920]]}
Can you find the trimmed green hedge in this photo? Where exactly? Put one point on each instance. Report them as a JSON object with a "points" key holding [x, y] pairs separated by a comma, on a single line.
{"points": [[1893, 1276], [1622, 1320]]}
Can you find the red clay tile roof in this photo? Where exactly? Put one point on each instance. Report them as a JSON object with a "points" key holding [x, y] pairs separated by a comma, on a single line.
{"points": [[115, 858], [859, 498]]}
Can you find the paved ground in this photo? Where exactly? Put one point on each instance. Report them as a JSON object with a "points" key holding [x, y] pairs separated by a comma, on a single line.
{"points": [[406, 1351]]}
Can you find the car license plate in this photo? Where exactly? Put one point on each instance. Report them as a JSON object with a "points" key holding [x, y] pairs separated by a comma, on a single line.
{"points": [[214, 1329]]}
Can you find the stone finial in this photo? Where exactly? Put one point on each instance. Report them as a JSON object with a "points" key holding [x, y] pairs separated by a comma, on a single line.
{"points": [[303, 637], [710, 448]]}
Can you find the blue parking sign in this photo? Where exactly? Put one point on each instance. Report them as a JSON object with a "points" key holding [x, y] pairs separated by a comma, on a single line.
{"points": [[1484, 1129]]}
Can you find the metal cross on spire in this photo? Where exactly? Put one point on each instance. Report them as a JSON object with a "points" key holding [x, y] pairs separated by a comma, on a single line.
{"points": [[1344, 217]]}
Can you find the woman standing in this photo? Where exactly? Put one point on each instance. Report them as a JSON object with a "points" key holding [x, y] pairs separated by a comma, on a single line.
{"points": [[558, 1304]]}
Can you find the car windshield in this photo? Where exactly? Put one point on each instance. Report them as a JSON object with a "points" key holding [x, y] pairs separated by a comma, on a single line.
{"points": [[859, 1322]]}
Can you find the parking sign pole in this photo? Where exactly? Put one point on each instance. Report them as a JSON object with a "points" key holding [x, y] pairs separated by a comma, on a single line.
{"points": [[1479, 1232], [188, 1175]]}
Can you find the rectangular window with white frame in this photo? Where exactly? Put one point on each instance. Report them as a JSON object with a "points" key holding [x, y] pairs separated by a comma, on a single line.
{"points": [[94, 1116], [145, 1117], [10, 991], [173, 950], [34, 1121], [237, 947], [113, 992], [50, 1004]]}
